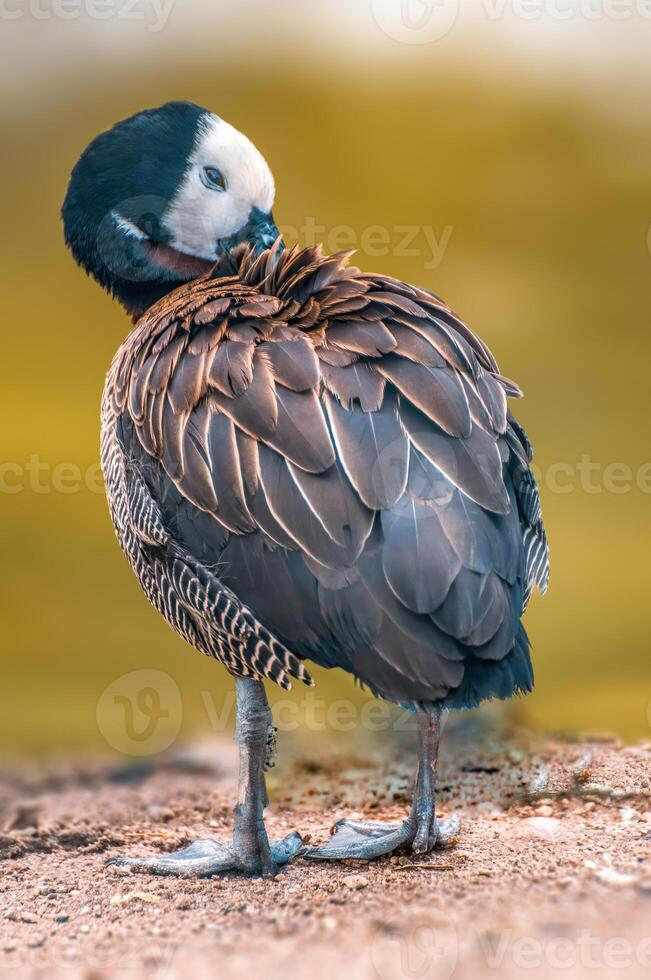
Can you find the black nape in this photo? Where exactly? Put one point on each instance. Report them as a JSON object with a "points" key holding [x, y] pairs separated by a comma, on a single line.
{"points": [[116, 199]]}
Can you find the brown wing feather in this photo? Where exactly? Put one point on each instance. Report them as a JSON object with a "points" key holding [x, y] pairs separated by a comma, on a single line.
{"points": [[299, 397]]}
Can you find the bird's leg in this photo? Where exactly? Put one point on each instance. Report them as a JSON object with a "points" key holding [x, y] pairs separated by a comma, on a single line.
{"points": [[250, 851], [254, 735], [422, 813], [420, 831]]}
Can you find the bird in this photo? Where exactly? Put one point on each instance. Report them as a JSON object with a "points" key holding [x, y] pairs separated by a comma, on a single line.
{"points": [[304, 463]]}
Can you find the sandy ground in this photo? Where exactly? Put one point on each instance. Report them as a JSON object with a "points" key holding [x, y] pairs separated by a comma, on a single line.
{"points": [[550, 876]]}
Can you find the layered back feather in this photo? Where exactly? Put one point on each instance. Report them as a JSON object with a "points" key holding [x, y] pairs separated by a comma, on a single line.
{"points": [[306, 461]]}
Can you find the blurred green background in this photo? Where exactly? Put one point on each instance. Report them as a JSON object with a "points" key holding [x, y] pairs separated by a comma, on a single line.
{"points": [[534, 173]]}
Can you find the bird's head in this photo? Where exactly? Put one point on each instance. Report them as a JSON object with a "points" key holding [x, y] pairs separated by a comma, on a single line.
{"points": [[159, 198]]}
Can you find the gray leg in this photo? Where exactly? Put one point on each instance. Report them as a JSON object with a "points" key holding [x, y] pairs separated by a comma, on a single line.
{"points": [[249, 851], [253, 735], [420, 831], [423, 803]]}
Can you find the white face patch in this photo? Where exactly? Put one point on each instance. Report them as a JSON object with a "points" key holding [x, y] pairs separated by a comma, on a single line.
{"points": [[198, 216]]}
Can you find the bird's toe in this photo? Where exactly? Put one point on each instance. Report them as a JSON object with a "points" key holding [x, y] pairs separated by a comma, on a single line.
{"points": [[360, 839], [283, 851], [204, 858], [200, 859]]}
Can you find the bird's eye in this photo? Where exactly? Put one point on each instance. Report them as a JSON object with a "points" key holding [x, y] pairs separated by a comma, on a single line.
{"points": [[213, 178]]}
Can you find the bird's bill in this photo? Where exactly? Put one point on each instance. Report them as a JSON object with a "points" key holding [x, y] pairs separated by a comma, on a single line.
{"points": [[260, 231]]}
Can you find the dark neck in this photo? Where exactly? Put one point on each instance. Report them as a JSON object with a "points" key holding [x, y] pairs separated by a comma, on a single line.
{"points": [[162, 270], [138, 272]]}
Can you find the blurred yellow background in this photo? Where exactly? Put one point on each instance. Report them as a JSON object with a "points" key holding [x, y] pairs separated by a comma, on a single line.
{"points": [[518, 151]]}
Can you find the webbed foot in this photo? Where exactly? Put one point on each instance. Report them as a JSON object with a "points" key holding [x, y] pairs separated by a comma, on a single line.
{"points": [[204, 858], [361, 839]]}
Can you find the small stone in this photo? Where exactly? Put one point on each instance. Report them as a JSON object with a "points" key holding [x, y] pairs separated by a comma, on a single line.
{"points": [[515, 756], [62, 918], [36, 940], [24, 818], [612, 877], [26, 917], [540, 782], [644, 886], [356, 882], [85, 928], [119, 870], [545, 811], [162, 813], [627, 813], [549, 829], [146, 897]]}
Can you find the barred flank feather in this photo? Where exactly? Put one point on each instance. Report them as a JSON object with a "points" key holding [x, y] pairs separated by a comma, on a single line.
{"points": [[536, 554]]}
